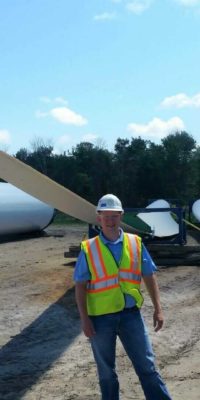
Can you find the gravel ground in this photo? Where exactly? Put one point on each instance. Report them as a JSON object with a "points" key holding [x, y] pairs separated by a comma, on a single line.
{"points": [[43, 353]]}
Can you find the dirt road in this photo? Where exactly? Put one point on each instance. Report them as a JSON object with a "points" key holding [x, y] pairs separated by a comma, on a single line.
{"points": [[43, 353]]}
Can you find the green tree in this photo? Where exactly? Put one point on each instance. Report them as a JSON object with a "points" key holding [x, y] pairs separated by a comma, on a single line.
{"points": [[96, 164], [129, 159], [39, 158], [195, 174], [150, 174], [23, 155], [177, 167]]}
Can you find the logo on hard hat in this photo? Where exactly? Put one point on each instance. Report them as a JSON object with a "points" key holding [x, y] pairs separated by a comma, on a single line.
{"points": [[103, 205]]}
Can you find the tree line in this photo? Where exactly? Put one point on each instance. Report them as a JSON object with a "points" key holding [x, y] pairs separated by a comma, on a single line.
{"points": [[137, 170]]}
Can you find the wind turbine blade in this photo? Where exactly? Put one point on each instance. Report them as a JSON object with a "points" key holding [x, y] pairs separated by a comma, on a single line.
{"points": [[45, 189]]}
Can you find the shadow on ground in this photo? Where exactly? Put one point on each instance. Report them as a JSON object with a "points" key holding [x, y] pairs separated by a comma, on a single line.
{"points": [[195, 235], [23, 236], [28, 355]]}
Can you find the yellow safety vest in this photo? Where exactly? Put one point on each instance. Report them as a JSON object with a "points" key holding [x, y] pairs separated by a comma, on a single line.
{"points": [[109, 281]]}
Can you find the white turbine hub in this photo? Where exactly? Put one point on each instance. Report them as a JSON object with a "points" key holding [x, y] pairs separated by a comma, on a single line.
{"points": [[161, 223]]}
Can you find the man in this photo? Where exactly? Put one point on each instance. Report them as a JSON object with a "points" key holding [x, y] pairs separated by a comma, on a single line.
{"points": [[108, 275]]}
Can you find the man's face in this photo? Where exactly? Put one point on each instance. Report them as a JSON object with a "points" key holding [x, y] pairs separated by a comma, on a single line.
{"points": [[109, 221]]}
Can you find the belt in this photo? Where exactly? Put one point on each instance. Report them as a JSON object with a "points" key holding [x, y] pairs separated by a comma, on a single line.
{"points": [[134, 308]]}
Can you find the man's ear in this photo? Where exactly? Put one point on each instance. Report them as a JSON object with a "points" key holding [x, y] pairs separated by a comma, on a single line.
{"points": [[98, 217]]}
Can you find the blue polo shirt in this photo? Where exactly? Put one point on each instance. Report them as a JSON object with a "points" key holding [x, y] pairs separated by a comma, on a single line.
{"points": [[82, 272]]}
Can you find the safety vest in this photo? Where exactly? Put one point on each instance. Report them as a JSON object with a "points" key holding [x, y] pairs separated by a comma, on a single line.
{"points": [[109, 280]]}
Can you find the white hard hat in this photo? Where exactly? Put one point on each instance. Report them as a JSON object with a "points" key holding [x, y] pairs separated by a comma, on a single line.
{"points": [[109, 202]]}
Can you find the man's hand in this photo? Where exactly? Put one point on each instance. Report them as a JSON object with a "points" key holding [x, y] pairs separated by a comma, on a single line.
{"points": [[158, 320], [153, 289], [87, 327], [81, 294]]}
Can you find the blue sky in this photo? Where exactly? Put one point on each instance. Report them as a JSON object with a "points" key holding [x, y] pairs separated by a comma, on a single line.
{"points": [[96, 70]]}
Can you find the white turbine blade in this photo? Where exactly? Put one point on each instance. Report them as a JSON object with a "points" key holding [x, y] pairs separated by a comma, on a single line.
{"points": [[196, 209], [161, 223]]}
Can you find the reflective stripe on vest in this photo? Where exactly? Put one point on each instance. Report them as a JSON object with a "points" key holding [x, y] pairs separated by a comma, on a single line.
{"points": [[96, 258], [129, 269], [100, 286], [134, 251], [133, 273]]}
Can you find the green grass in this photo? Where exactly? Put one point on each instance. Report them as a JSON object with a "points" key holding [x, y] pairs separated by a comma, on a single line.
{"points": [[64, 219], [130, 218]]}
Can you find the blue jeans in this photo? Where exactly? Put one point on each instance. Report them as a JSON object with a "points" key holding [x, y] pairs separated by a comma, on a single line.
{"points": [[129, 326]]}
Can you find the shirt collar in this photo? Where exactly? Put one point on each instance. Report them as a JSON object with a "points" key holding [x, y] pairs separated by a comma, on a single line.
{"points": [[107, 241]]}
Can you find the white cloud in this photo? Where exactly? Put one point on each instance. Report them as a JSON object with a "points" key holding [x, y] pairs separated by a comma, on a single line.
{"points": [[67, 116], [138, 6], [63, 140], [157, 128], [5, 138], [62, 144], [60, 100], [105, 16], [90, 137], [181, 100], [62, 114], [41, 114], [133, 6], [48, 100], [45, 99], [189, 3]]}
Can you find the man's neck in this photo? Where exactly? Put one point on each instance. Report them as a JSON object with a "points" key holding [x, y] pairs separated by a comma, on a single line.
{"points": [[112, 236]]}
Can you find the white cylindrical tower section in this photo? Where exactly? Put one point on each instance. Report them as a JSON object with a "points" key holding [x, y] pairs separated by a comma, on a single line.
{"points": [[22, 213]]}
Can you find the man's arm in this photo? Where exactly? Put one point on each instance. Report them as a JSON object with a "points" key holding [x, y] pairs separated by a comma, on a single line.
{"points": [[81, 296], [153, 289]]}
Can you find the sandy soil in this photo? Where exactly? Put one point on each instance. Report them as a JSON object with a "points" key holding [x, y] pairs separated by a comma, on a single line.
{"points": [[43, 353]]}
